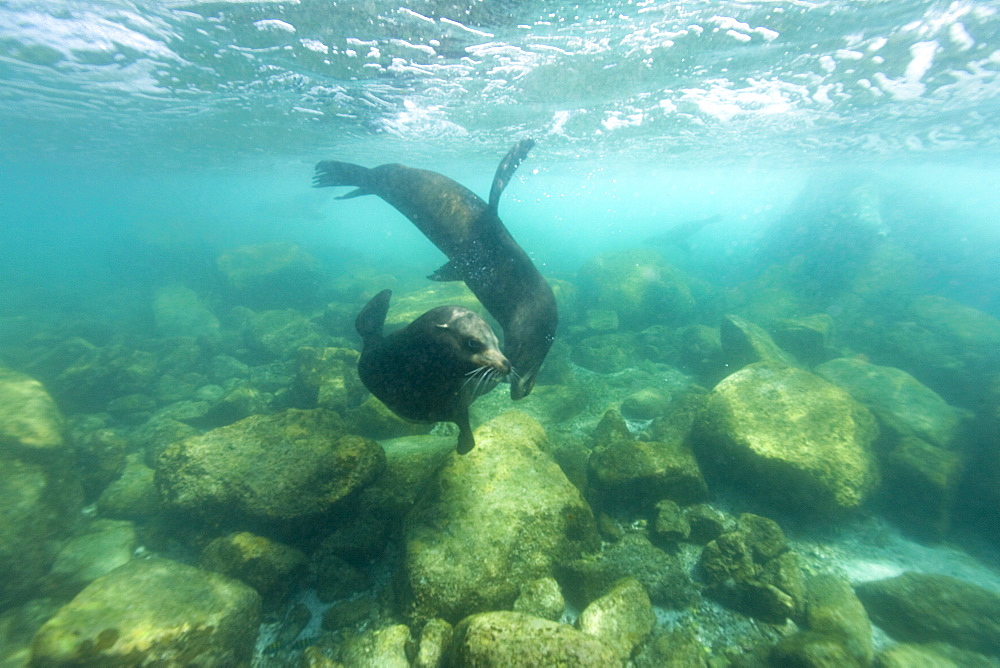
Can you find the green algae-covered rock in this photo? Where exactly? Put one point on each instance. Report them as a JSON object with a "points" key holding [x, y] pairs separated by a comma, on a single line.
{"points": [[38, 503], [639, 286], [921, 484], [636, 473], [102, 547], [387, 647], [328, 378], [807, 338], [899, 400], [621, 619], [752, 571], [373, 419], [816, 650], [280, 333], [786, 433], [278, 467], [659, 572], [153, 612], [541, 598], [266, 565], [605, 353], [29, 418], [179, 311], [411, 464], [435, 638], [492, 521], [744, 343], [133, 495], [833, 609], [269, 275], [931, 655], [502, 639], [923, 607]]}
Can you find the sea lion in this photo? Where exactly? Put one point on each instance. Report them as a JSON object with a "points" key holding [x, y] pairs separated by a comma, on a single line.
{"points": [[432, 369], [480, 250]]}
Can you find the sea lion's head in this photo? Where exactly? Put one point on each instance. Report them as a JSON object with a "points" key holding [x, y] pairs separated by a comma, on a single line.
{"points": [[470, 341]]}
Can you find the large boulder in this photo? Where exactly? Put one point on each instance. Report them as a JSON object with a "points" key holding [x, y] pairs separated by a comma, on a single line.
{"points": [[272, 468], [900, 401], [270, 275], [924, 607], [791, 436], [40, 494], [621, 619], [637, 285], [490, 522], [744, 343], [501, 639], [153, 612], [179, 311]]}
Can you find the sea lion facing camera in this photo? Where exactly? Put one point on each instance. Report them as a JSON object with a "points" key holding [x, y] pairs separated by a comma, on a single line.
{"points": [[432, 369], [480, 250]]}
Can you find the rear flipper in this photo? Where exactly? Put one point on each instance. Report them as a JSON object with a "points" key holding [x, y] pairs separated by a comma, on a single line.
{"points": [[465, 440], [335, 173]]}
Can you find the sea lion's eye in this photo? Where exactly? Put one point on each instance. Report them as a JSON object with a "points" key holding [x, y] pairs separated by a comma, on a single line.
{"points": [[474, 344]]}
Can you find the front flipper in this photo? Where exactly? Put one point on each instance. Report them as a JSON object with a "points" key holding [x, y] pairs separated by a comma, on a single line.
{"points": [[371, 319], [506, 169], [465, 440]]}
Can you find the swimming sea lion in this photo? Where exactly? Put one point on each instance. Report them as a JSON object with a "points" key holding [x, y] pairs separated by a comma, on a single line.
{"points": [[480, 250], [432, 369]]}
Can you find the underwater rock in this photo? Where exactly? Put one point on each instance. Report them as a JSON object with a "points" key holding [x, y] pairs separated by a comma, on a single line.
{"points": [[335, 578], [921, 484], [706, 523], [270, 275], [635, 473], [409, 306], [268, 566], [30, 421], [699, 349], [816, 650], [328, 378], [601, 320], [373, 419], [541, 598], [359, 536], [833, 609], [19, 625], [387, 647], [639, 286], [154, 435], [179, 311], [924, 607], [435, 638], [153, 612], [645, 404], [660, 573], [102, 375], [100, 457], [605, 353], [900, 401], [502, 639], [678, 648], [279, 334], [669, 524], [102, 547], [347, 613], [752, 571], [38, 503], [272, 468], [472, 542], [621, 619], [803, 442], [133, 495], [931, 655], [411, 464], [745, 343], [806, 338]]}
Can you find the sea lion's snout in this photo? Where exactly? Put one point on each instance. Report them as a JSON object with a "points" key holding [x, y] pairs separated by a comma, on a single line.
{"points": [[494, 359]]}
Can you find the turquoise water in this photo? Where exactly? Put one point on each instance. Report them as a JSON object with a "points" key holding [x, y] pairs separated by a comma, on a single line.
{"points": [[846, 152]]}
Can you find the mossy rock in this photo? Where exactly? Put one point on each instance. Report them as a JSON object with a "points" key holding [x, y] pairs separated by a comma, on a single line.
{"points": [[269, 567], [102, 547], [924, 607], [621, 618], [639, 286], [832, 608], [791, 437], [133, 495], [501, 639], [30, 421], [900, 401], [745, 343], [271, 468], [153, 612], [922, 483], [269, 275], [472, 542]]}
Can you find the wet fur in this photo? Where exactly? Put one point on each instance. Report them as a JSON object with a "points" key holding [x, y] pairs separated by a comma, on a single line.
{"points": [[480, 250], [432, 369]]}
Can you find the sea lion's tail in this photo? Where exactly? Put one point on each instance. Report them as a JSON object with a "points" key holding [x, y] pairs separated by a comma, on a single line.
{"points": [[336, 173], [371, 319]]}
